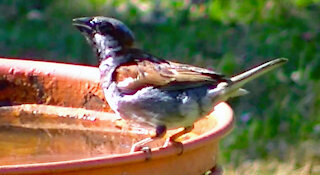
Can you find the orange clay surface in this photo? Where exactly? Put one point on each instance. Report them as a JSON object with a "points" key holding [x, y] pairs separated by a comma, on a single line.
{"points": [[60, 124]]}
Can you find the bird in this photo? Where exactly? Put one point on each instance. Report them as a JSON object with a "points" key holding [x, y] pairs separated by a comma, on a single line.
{"points": [[156, 92]]}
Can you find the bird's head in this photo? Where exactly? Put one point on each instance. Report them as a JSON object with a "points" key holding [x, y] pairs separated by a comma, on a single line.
{"points": [[104, 33]]}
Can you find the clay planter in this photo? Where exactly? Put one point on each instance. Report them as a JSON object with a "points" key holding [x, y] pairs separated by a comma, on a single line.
{"points": [[54, 120]]}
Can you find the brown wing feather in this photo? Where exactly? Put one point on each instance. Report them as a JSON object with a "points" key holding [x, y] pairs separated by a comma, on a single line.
{"points": [[138, 74], [187, 73]]}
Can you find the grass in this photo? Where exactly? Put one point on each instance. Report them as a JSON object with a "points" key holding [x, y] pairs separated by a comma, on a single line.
{"points": [[278, 126], [301, 158]]}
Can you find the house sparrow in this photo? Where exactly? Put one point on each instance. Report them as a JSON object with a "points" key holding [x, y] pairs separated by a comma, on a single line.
{"points": [[141, 87]]}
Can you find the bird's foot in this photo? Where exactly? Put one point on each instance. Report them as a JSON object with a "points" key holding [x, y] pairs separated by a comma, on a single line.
{"points": [[145, 149], [139, 146], [173, 139], [176, 144]]}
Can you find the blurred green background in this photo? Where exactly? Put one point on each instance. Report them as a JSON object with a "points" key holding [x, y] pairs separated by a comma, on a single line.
{"points": [[277, 128]]}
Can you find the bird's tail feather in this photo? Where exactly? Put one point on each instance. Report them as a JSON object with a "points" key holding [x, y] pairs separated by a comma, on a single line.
{"points": [[239, 80], [233, 88]]}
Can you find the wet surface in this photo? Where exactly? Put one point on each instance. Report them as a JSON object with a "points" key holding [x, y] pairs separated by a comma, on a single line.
{"points": [[33, 133], [41, 133]]}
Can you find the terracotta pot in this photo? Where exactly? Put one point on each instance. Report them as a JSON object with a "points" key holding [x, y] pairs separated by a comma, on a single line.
{"points": [[60, 124]]}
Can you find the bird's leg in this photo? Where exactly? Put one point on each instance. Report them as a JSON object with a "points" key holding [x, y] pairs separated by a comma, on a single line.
{"points": [[160, 132], [173, 138]]}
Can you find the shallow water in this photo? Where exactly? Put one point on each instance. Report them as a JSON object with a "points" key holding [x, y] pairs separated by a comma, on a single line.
{"points": [[29, 136], [41, 133]]}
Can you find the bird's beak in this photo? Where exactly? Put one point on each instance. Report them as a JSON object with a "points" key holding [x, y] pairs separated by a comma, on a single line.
{"points": [[83, 24]]}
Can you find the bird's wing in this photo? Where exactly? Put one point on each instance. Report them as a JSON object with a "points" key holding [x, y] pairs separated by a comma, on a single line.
{"points": [[141, 73]]}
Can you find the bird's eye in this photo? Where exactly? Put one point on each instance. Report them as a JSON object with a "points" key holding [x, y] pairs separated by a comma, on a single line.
{"points": [[105, 27]]}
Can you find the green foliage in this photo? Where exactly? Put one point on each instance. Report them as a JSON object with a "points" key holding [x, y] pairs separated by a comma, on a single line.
{"points": [[282, 110]]}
